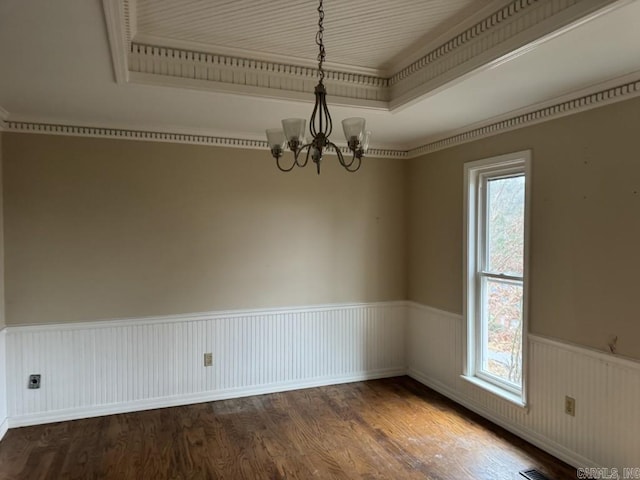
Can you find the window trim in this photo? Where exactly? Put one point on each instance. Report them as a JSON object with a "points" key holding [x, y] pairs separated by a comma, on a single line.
{"points": [[511, 163]]}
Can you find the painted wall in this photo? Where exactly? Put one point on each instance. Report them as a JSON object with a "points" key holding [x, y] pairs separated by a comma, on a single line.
{"points": [[102, 228], [585, 225]]}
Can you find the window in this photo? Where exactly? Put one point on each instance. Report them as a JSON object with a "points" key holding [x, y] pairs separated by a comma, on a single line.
{"points": [[496, 273]]}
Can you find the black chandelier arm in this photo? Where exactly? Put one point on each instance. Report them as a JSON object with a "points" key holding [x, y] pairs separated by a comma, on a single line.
{"points": [[338, 153], [354, 168], [321, 121], [341, 156], [327, 115], [353, 165], [312, 123], [297, 154], [283, 169]]}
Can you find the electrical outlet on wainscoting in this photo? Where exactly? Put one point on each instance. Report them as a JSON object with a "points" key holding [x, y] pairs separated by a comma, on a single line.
{"points": [[34, 381], [570, 406], [208, 359]]}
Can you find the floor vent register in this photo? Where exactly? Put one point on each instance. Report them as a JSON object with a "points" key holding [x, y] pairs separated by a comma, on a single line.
{"points": [[534, 474]]}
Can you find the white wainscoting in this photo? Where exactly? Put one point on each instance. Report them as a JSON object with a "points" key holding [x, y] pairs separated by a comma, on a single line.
{"points": [[605, 431], [4, 422], [99, 368]]}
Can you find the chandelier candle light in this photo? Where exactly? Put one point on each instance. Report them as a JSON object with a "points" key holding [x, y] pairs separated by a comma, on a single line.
{"points": [[320, 127]]}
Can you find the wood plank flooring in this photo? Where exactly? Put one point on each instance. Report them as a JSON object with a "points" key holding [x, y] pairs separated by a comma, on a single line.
{"points": [[384, 429]]}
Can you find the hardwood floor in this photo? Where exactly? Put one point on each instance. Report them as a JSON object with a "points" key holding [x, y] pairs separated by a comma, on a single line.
{"points": [[384, 429]]}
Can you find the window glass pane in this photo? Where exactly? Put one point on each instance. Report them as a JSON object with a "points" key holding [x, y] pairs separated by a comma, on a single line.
{"points": [[502, 330], [505, 225]]}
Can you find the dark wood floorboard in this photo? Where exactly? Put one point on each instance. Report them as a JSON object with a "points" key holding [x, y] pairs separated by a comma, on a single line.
{"points": [[383, 429]]}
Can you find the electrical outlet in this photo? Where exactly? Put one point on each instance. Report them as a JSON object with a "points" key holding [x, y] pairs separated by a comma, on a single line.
{"points": [[34, 381], [570, 406], [208, 359]]}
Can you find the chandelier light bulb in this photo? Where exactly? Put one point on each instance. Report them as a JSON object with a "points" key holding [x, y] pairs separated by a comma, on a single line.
{"points": [[365, 141]]}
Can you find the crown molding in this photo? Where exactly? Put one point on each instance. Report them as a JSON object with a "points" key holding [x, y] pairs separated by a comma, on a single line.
{"points": [[19, 126], [416, 52], [191, 46], [612, 91], [519, 27], [515, 26], [33, 127], [183, 68]]}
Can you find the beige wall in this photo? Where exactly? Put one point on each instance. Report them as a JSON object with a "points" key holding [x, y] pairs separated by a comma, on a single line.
{"points": [[100, 228], [585, 225]]}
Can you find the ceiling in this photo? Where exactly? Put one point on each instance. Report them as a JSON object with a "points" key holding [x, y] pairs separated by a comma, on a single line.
{"points": [[419, 71], [358, 33]]}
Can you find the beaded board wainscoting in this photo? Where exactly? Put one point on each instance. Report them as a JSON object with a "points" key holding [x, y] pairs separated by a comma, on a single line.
{"points": [[98, 368]]}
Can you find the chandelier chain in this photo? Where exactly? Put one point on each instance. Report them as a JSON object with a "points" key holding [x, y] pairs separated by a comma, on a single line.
{"points": [[320, 41]]}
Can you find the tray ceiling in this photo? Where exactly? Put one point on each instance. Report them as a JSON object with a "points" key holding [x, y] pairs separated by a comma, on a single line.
{"points": [[361, 33], [382, 55], [157, 70]]}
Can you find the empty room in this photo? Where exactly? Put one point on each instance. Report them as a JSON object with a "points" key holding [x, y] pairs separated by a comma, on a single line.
{"points": [[332, 239]]}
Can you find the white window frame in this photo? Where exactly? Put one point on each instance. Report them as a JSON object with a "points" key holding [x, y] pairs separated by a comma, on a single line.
{"points": [[475, 174]]}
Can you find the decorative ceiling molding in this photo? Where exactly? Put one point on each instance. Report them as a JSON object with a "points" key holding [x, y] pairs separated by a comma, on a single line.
{"points": [[157, 136], [515, 26], [609, 92], [522, 24], [217, 72], [118, 17], [537, 114]]}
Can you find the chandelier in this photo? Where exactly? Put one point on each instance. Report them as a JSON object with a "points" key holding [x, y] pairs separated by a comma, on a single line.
{"points": [[320, 127]]}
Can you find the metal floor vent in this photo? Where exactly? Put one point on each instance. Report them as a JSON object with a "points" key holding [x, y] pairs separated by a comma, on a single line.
{"points": [[534, 474]]}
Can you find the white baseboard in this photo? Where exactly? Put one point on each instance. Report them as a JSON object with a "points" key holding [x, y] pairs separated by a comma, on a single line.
{"points": [[4, 426], [539, 441], [179, 400]]}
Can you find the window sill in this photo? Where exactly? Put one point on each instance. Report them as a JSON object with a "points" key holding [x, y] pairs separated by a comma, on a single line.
{"points": [[512, 398]]}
